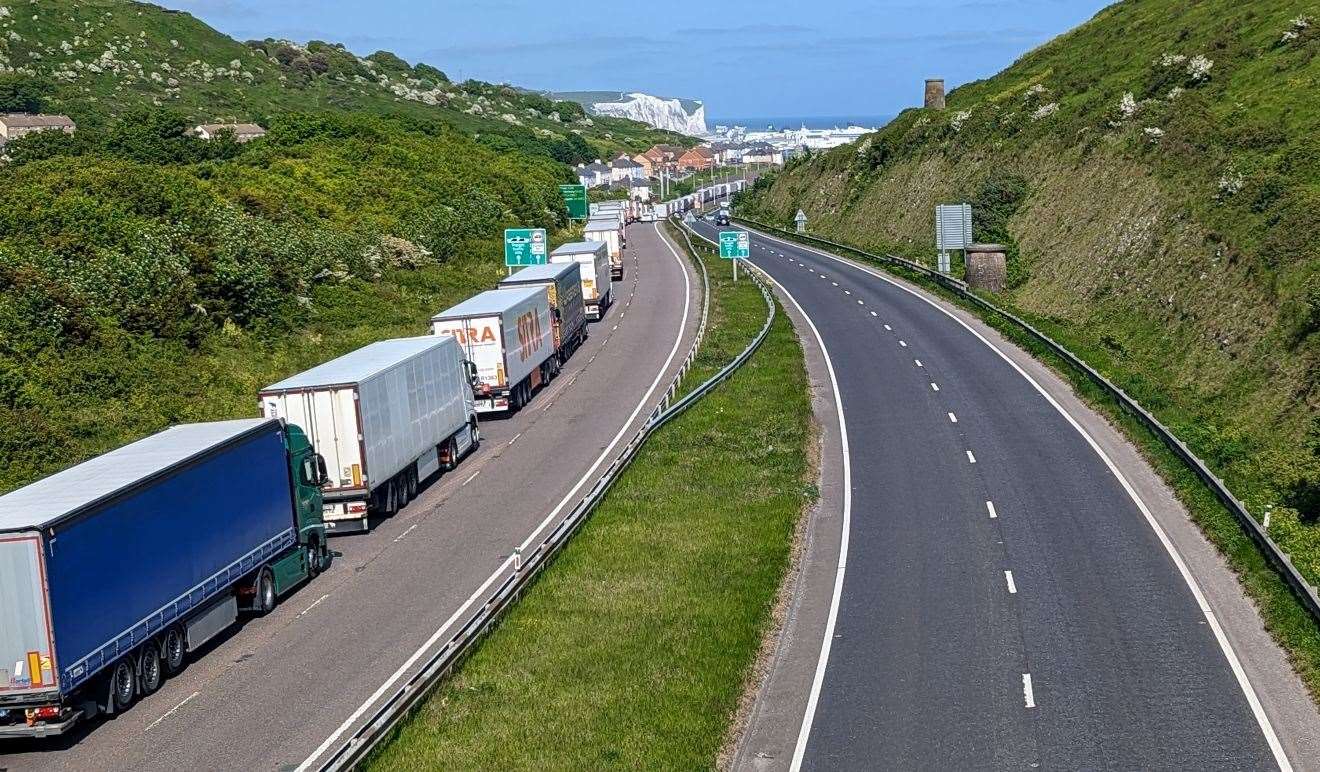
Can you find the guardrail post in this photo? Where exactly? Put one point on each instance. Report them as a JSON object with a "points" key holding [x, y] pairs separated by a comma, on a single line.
{"points": [[517, 558]]}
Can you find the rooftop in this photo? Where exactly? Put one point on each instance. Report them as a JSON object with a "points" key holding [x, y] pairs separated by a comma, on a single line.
{"points": [[539, 273], [489, 303], [35, 121], [360, 365]]}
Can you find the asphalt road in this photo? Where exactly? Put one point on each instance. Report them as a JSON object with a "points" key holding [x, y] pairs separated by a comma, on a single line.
{"points": [[278, 688], [1005, 603]]}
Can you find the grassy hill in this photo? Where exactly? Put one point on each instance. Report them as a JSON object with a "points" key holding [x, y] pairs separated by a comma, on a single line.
{"points": [[1156, 174], [102, 57]]}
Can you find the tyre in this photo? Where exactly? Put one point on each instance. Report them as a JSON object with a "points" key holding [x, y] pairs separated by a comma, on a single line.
{"points": [[123, 685], [451, 453], [474, 434], [412, 483], [312, 556], [174, 649], [150, 668], [263, 601]]}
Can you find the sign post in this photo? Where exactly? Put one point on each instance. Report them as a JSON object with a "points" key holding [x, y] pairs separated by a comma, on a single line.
{"points": [[524, 246], [575, 198], [735, 246]]}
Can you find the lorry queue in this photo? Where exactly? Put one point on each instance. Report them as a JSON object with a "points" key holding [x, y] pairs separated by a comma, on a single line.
{"points": [[113, 570]]}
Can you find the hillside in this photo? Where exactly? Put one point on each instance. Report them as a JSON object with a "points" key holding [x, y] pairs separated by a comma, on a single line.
{"points": [[102, 57], [1156, 174]]}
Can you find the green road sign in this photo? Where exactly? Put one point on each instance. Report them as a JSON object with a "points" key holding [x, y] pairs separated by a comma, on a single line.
{"points": [[525, 246], [575, 198], [735, 245]]}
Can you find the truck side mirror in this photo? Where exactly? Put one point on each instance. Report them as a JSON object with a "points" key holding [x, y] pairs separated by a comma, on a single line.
{"points": [[471, 370], [322, 474]]}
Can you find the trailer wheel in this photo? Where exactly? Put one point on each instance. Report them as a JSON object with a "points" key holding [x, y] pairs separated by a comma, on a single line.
{"points": [[152, 672], [264, 601], [412, 484], [123, 685], [175, 649]]}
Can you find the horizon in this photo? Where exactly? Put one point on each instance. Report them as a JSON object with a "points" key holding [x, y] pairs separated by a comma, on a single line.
{"points": [[797, 64]]}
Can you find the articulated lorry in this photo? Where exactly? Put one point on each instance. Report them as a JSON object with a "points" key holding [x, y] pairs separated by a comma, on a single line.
{"points": [[508, 335], [568, 313], [385, 417], [113, 570], [593, 260], [605, 228]]}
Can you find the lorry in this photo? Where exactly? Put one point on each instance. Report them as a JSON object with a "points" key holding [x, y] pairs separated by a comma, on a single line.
{"points": [[616, 209], [568, 313], [606, 229], [593, 260], [508, 336], [114, 570], [385, 417]]}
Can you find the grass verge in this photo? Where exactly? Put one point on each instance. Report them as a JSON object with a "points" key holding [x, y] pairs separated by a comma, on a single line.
{"points": [[632, 649], [1284, 616]]}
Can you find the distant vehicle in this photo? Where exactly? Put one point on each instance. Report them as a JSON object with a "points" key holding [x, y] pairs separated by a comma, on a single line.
{"points": [[722, 218], [386, 417], [593, 259], [609, 229], [113, 570], [508, 335]]}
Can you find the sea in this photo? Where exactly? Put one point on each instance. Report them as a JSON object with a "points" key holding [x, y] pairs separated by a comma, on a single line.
{"points": [[795, 122]]}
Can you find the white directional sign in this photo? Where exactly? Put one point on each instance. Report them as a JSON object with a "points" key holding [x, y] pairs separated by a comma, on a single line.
{"points": [[953, 226]]}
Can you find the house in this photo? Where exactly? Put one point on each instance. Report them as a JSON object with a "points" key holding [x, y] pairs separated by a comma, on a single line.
{"points": [[625, 168], [243, 132], [15, 125], [698, 159], [763, 154], [649, 168], [593, 174], [664, 157], [639, 189]]}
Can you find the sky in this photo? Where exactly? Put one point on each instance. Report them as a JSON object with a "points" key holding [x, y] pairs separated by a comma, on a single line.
{"points": [[742, 58]]}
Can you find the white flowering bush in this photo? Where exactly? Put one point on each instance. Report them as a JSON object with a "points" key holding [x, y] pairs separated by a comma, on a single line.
{"points": [[959, 118], [1154, 134], [1045, 111], [1296, 28], [1127, 105], [1231, 183], [1198, 68]]}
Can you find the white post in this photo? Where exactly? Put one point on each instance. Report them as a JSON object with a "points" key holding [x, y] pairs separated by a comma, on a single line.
{"points": [[735, 270]]}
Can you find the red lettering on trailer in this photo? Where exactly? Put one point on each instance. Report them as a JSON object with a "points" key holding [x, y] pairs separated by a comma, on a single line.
{"points": [[529, 334], [473, 335]]}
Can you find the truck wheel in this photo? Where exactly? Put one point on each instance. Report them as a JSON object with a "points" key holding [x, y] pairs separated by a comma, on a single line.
{"points": [[175, 649], [474, 434], [312, 556], [123, 685], [412, 484], [451, 453], [150, 667], [264, 600]]}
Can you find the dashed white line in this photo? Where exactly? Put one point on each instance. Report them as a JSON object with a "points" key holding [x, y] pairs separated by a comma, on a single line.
{"points": [[970, 458], [835, 283], [903, 343], [396, 538], [1027, 695], [934, 386], [1012, 587], [317, 602], [171, 711], [887, 327], [473, 477], [953, 419], [874, 314], [847, 292], [990, 507], [861, 302], [918, 361], [515, 438]]}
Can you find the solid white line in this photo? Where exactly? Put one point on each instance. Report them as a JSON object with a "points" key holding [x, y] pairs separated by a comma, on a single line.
{"points": [[171, 711], [1028, 695], [990, 507], [1249, 691], [504, 566], [813, 698], [1012, 588], [934, 386], [970, 458], [953, 419]]}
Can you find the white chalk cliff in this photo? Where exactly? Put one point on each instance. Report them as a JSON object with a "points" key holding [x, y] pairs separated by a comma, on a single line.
{"points": [[660, 113]]}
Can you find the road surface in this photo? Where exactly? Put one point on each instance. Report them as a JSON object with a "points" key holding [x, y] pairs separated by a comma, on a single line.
{"points": [[1005, 601], [272, 693]]}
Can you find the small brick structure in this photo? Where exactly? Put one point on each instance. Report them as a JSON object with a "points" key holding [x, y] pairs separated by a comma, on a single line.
{"points": [[935, 94], [987, 267]]}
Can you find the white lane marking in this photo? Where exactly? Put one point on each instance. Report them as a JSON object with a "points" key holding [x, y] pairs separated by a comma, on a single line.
{"points": [[396, 538], [887, 327], [953, 419], [470, 479], [1028, 696], [474, 597], [809, 716], [903, 343], [1012, 588], [823, 276], [515, 438], [1249, 691], [835, 283], [318, 601], [918, 361], [970, 458], [990, 507], [874, 314], [934, 386], [847, 292], [171, 711]]}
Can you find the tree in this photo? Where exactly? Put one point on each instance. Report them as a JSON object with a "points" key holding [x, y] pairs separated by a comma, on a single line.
{"points": [[22, 94]]}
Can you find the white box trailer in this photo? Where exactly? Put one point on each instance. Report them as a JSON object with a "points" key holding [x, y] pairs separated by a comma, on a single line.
{"points": [[608, 231], [593, 260], [509, 336], [385, 417], [568, 313]]}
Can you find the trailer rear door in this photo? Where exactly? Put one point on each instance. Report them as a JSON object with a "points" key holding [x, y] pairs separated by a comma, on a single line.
{"points": [[27, 647], [330, 417]]}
